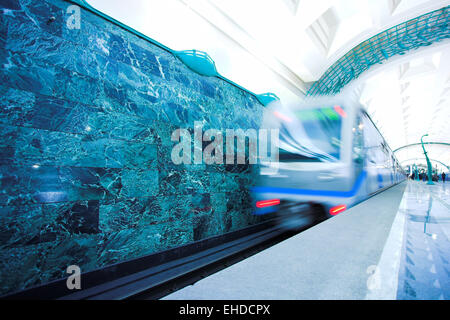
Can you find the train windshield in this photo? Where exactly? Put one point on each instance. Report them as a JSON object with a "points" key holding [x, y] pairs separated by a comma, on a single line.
{"points": [[311, 135]]}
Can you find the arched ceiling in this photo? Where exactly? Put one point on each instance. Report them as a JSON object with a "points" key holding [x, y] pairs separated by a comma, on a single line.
{"points": [[283, 46], [409, 97], [440, 155], [404, 38]]}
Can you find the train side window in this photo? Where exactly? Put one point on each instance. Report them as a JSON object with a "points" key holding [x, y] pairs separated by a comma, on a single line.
{"points": [[372, 142]]}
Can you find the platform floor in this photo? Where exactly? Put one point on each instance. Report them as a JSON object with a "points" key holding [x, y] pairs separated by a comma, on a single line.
{"points": [[393, 246], [425, 258]]}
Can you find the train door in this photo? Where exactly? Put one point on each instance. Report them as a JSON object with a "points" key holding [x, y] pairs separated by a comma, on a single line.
{"points": [[373, 155], [358, 145], [358, 151]]}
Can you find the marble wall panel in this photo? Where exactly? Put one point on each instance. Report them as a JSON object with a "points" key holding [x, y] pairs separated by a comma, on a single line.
{"points": [[86, 117]]}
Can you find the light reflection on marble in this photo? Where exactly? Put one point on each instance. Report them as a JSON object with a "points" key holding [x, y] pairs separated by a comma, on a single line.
{"points": [[425, 259]]}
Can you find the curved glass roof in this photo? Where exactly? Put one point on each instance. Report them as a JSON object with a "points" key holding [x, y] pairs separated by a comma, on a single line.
{"points": [[409, 97]]}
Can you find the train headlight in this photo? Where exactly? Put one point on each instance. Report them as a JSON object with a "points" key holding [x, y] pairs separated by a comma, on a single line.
{"points": [[338, 209], [267, 203]]}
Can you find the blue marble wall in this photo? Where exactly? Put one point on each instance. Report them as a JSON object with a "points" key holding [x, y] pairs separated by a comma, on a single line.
{"points": [[85, 171]]}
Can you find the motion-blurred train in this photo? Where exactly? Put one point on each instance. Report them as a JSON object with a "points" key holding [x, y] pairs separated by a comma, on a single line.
{"points": [[331, 157]]}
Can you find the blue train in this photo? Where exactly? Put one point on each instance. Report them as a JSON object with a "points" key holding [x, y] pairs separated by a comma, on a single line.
{"points": [[331, 157]]}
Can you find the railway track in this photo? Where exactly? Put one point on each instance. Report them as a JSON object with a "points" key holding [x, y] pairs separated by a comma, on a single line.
{"points": [[157, 275]]}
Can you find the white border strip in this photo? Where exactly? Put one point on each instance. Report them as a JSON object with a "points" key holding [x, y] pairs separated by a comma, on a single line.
{"points": [[383, 284]]}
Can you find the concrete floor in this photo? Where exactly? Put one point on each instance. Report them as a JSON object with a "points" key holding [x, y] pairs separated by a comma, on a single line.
{"points": [[356, 255]]}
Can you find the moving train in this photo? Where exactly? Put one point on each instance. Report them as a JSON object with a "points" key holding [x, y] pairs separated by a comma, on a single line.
{"points": [[331, 157]]}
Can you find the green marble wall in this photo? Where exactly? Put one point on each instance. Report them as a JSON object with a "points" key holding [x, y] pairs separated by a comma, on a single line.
{"points": [[85, 171]]}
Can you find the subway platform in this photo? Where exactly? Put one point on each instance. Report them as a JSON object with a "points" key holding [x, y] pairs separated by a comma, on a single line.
{"points": [[393, 246]]}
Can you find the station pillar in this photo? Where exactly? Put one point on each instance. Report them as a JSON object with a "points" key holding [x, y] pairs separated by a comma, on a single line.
{"points": [[429, 167]]}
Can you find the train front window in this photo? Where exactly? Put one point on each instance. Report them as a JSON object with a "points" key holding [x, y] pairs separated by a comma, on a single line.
{"points": [[314, 135]]}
